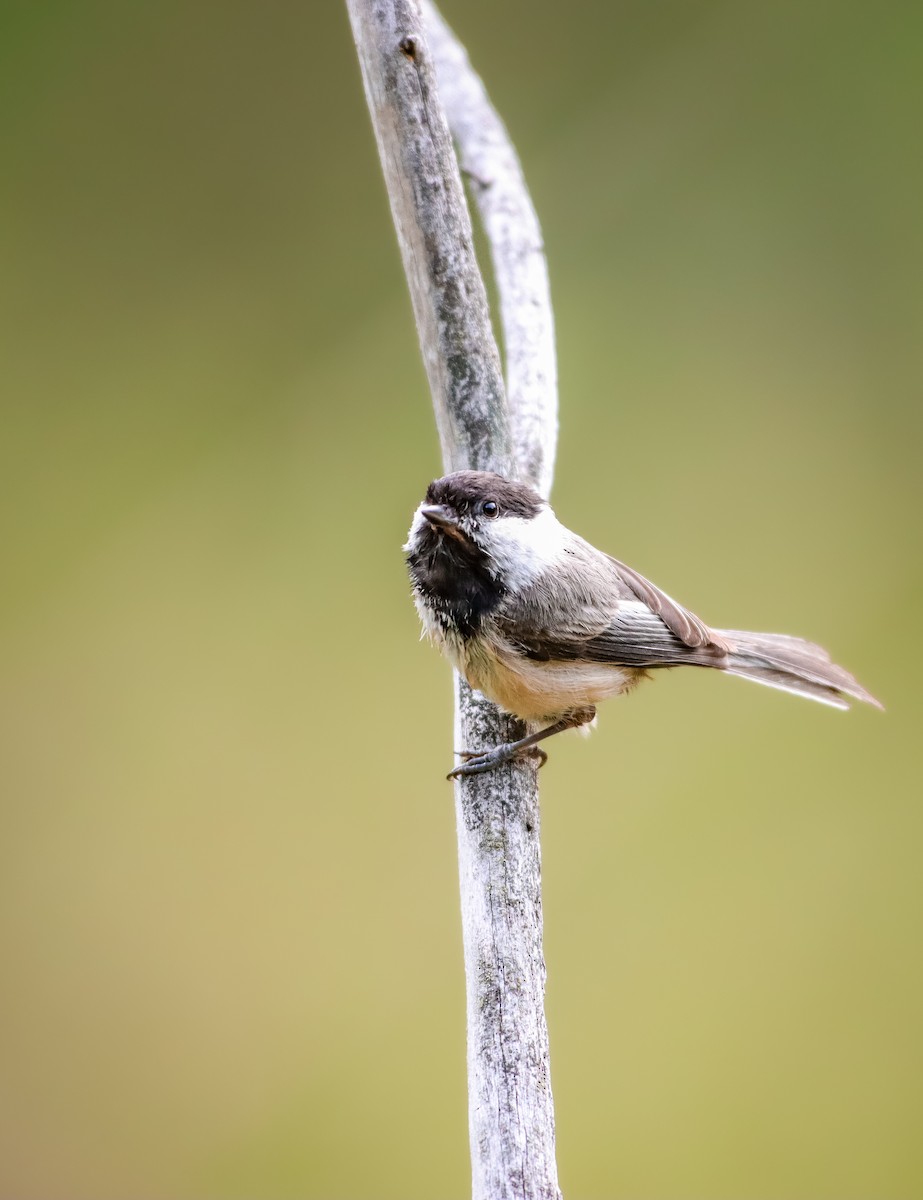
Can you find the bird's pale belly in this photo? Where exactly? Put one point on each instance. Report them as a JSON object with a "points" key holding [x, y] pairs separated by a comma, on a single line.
{"points": [[542, 691], [534, 691]]}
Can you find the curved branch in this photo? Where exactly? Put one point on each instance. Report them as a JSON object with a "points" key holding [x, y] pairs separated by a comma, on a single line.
{"points": [[434, 233], [490, 161], [511, 1112]]}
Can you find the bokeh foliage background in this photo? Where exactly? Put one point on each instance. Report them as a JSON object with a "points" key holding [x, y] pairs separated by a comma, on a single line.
{"points": [[230, 948]]}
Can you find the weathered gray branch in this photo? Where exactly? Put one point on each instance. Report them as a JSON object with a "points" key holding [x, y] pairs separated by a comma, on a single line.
{"points": [[434, 233], [489, 159], [511, 1113]]}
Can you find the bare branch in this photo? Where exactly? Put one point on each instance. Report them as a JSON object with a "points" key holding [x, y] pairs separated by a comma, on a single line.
{"points": [[491, 163], [434, 232], [511, 1113], [510, 1105]]}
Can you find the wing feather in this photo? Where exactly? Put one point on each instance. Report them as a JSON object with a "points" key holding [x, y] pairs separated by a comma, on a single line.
{"points": [[689, 628], [602, 611]]}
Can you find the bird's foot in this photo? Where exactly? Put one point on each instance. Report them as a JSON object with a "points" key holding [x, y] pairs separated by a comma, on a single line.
{"points": [[488, 760]]}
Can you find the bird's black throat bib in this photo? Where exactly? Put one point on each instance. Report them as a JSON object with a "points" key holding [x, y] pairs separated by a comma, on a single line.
{"points": [[451, 576]]}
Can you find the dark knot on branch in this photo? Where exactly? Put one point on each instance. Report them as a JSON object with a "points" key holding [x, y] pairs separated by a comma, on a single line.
{"points": [[408, 46]]}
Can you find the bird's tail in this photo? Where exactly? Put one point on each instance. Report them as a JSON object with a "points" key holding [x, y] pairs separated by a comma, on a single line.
{"points": [[792, 665]]}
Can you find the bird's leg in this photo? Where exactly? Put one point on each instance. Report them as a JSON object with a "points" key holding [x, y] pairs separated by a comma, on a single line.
{"points": [[477, 764]]}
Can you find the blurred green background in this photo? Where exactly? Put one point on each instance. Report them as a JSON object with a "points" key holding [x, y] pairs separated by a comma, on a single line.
{"points": [[231, 961]]}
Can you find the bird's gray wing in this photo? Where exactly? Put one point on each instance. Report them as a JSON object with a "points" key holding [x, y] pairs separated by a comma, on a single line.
{"points": [[600, 610], [689, 628]]}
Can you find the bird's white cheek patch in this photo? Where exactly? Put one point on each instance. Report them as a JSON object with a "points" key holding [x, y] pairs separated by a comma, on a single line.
{"points": [[523, 548], [416, 526]]}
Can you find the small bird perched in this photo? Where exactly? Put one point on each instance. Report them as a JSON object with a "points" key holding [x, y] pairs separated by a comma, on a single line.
{"points": [[546, 625]]}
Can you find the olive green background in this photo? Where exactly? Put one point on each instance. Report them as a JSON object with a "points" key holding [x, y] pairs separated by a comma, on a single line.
{"points": [[231, 961]]}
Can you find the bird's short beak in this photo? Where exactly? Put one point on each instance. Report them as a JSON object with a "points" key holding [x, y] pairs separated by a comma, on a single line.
{"points": [[436, 514], [441, 518]]}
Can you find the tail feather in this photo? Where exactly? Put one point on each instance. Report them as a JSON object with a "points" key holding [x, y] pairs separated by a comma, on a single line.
{"points": [[793, 665]]}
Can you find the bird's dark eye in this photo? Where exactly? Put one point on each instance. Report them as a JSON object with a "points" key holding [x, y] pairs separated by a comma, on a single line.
{"points": [[490, 508]]}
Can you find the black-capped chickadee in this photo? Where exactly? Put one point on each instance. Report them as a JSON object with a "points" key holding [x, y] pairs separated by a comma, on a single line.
{"points": [[546, 625]]}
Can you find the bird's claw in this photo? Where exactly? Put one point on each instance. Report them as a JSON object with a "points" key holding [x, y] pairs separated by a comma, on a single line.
{"points": [[478, 763]]}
